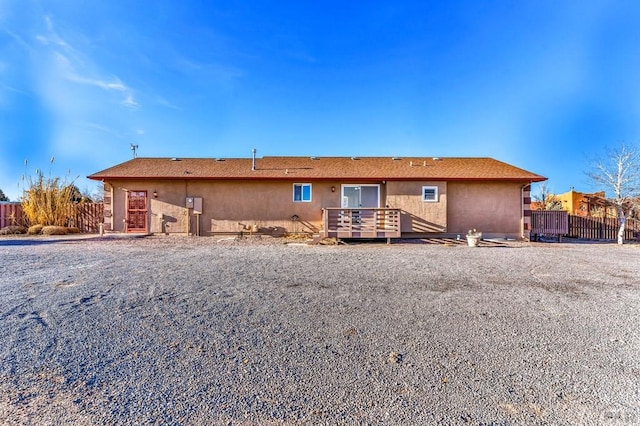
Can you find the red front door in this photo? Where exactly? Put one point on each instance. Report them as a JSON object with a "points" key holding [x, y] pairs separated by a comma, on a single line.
{"points": [[137, 211]]}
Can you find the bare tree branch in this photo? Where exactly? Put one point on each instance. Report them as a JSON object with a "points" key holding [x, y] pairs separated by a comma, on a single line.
{"points": [[618, 171], [546, 199]]}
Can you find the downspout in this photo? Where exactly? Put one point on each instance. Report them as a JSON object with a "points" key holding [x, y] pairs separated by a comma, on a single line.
{"points": [[522, 211], [523, 217], [112, 210], [187, 212]]}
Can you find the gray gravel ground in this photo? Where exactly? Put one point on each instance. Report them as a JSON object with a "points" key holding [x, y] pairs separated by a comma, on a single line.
{"points": [[195, 331]]}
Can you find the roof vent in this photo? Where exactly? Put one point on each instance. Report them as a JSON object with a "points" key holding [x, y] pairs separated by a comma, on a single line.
{"points": [[396, 158], [436, 158], [175, 159], [219, 159], [355, 158], [253, 161], [315, 158]]}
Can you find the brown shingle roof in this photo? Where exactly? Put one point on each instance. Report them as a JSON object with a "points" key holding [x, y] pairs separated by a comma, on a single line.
{"points": [[316, 168]]}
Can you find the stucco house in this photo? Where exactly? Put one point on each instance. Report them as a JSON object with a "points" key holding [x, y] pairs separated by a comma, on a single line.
{"points": [[344, 197]]}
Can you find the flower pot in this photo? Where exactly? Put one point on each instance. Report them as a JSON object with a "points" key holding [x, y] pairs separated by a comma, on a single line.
{"points": [[472, 240]]}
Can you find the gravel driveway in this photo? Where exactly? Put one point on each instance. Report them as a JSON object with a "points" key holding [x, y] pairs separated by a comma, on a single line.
{"points": [[195, 331]]}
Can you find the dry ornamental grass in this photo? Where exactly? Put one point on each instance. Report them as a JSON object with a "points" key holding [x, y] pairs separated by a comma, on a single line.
{"points": [[48, 201], [13, 230], [54, 230], [35, 230]]}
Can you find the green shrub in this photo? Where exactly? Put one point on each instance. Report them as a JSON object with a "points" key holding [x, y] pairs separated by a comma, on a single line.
{"points": [[35, 230], [54, 230]]}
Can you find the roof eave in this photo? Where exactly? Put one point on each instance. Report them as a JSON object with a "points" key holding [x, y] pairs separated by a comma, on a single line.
{"points": [[293, 177]]}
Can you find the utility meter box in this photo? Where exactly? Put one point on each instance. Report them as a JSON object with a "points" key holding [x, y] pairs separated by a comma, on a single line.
{"points": [[197, 205], [194, 203]]}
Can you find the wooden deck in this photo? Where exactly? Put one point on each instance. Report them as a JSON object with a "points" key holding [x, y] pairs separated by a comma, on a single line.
{"points": [[361, 223]]}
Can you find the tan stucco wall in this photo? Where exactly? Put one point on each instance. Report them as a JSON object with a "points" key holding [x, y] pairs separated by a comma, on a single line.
{"points": [[166, 213], [495, 209], [227, 206], [418, 216], [268, 205]]}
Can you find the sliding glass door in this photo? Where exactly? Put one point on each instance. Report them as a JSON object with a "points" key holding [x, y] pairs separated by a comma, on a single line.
{"points": [[356, 196]]}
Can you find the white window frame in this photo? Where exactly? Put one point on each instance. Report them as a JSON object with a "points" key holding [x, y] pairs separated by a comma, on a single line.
{"points": [[302, 185], [435, 191]]}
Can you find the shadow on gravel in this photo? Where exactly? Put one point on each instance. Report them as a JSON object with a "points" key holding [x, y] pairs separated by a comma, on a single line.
{"points": [[37, 241], [461, 242], [429, 241], [570, 240]]}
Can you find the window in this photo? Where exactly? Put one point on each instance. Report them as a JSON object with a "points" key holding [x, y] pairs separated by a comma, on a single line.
{"points": [[302, 192], [430, 194]]}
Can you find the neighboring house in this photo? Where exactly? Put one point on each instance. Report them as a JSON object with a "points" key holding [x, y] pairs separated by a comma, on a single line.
{"points": [[331, 196], [537, 205], [586, 204]]}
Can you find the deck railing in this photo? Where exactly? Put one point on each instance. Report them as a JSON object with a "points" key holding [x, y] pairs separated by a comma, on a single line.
{"points": [[361, 223]]}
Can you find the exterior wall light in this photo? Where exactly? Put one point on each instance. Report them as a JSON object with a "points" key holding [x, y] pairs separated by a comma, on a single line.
{"points": [[155, 194], [333, 189]]}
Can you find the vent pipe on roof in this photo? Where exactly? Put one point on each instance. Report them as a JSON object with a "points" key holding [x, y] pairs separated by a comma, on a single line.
{"points": [[253, 163]]}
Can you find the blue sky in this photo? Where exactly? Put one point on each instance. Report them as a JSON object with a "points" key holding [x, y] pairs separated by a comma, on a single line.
{"points": [[538, 84]]}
